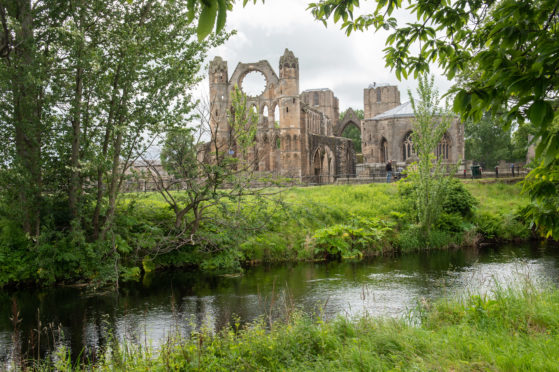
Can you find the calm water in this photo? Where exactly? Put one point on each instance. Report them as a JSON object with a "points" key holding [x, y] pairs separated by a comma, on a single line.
{"points": [[80, 318]]}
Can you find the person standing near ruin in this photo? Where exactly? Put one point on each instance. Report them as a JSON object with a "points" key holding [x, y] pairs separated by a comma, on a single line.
{"points": [[388, 171]]}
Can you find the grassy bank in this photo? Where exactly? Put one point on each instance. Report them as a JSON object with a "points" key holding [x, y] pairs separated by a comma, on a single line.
{"points": [[513, 330], [327, 222]]}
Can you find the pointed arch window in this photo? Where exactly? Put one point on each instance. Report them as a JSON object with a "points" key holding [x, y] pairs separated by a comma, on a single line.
{"points": [[407, 146], [443, 148], [383, 150]]}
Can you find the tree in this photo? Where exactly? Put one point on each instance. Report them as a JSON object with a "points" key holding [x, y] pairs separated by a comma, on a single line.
{"points": [[486, 142], [212, 13], [217, 179], [352, 132], [512, 46], [429, 176], [85, 88]]}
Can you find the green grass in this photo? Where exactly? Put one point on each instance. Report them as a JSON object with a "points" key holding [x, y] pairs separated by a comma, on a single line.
{"points": [[353, 220], [498, 197], [288, 233], [512, 330]]}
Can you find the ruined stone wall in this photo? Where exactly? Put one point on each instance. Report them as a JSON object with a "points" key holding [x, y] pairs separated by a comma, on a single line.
{"points": [[282, 143], [342, 151], [326, 102], [394, 130]]}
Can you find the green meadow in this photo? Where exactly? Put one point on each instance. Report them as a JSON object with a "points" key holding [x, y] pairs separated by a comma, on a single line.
{"points": [[287, 224]]}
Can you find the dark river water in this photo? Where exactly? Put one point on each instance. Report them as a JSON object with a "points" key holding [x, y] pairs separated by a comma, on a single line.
{"points": [[165, 303]]}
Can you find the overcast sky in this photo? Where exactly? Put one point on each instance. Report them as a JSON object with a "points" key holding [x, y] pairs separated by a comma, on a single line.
{"points": [[327, 57]]}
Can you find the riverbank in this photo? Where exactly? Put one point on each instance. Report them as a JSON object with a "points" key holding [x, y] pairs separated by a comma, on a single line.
{"points": [[295, 224], [510, 330]]}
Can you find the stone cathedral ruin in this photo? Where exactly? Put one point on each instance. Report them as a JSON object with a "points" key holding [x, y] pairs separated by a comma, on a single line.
{"points": [[299, 133]]}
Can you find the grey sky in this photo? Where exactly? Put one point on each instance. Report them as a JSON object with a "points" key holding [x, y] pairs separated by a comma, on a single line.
{"points": [[327, 57]]}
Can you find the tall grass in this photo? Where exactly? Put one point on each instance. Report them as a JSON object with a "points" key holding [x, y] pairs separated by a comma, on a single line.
{"points": [[511, 330]]}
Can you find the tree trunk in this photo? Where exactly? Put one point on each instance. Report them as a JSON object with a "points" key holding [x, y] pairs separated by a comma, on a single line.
{"points": [[99, 199], [113, 189], [75, 157], [27, 119]]}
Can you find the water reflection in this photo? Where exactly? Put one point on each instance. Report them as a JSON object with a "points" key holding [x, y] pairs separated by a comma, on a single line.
{"points": [[161, 305]]}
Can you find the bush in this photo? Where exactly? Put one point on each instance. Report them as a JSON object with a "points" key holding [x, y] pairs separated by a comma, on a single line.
{"points": [[496, 226], [352, 240], [414, 239], [458, 200], [452, 222]]}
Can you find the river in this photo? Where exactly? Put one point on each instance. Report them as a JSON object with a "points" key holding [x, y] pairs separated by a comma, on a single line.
{"points": [[178, 301]]}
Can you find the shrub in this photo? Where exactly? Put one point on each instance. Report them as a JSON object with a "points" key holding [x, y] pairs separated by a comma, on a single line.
{"points": [[352, 240], [458, 199], [450, 222]]}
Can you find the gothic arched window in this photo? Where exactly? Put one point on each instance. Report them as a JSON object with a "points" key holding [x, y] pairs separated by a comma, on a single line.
{"points": [[443, 148], [407, 145], [383, 151]]}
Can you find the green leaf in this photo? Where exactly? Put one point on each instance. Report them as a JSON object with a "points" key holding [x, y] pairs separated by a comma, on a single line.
{"points": [[191, 6], [207, 20], [461, 101], [221, 15], [540, 113]]}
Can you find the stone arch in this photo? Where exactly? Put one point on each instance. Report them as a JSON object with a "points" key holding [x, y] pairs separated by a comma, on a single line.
{"points": [[323, 164], [263, 67], [287, 143], [350, 118], [264, 110], [383, 150], [443, 147], [407, 146], [276, 115]]}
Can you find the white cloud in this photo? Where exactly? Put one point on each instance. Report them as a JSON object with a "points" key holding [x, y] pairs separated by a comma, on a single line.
{"points": [[327, 57]]}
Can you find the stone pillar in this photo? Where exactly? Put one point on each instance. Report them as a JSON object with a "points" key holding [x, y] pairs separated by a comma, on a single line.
{"points": [[219, 99], [290, 115]]}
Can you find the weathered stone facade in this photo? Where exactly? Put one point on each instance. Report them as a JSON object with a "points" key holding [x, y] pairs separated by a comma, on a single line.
{"points": [[300, 143], [386, 130], [299, 134]]}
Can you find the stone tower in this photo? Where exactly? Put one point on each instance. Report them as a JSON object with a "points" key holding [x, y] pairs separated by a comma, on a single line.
{"points": [[324, 101], [290, 114], [219, 98], [379, 99]]}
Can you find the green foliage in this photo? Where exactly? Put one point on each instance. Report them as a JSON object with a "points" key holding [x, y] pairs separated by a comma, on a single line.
{"points": [[542, 184], [509, 330], [16, 260], [354, 134], [505, 51], [431, 183], [343, 241], [450, 222], [501, 226], [487, 142], [458, 200], [212, 13], [376, 218]]}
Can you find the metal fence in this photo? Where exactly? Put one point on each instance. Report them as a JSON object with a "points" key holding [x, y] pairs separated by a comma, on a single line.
{"points": [[374, 176]]}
